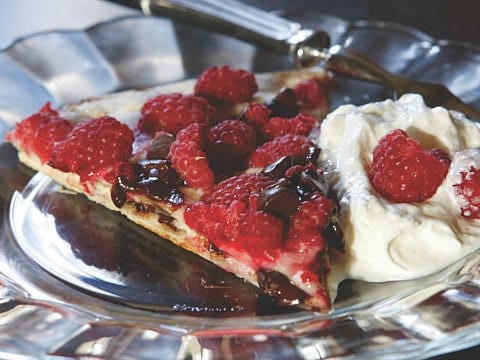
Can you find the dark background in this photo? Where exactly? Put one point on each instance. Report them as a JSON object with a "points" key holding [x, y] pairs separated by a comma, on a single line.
{"points": [[442, 19]]}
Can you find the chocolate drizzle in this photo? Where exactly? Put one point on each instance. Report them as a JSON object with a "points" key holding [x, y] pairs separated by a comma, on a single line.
{"points": [[160, 146], [279, 200], [333, 233], [277, 285], [284, 104], [284, 197], [154, 178], [303, 182], [278, 168], [118, 195]]}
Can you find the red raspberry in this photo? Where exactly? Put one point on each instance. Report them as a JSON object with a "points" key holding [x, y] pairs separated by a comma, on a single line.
{"points": [[229, 143], [173, 112], [312, 214], [228, 216], [209, 220], [47, 135], [195, 133], [261, 235], [305, 241], [403, 171], [188, 158], [290, 144], [39, 132], [25, 129], [469, 190], [93, 148], [125, 171], [307, 223], [236, 228], [240, 187], [302, 124], [311, 94], [226, 85], [256, 115]]}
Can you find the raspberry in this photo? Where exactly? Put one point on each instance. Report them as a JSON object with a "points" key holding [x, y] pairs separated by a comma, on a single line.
{"points": [[306, 224], [229, 143], [228, 216], [194, 132], [188, 158], [93, 148], [226, 85], [311, 94], [312, 214], [173, 112], [290, 144], [302, 124], [469, 191], [47, 135], [256, 115], [210, 220], [261, 235], [25, 129], [240, 187], [403, 171], [284, 104], [39, 132], [303, 241], [236, 228]]}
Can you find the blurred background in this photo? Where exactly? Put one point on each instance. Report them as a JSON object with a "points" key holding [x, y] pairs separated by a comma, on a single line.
{"points": [[443, 19]]}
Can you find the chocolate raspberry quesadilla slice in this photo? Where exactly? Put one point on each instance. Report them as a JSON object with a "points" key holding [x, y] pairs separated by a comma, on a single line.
{"points": [[221, 166]]}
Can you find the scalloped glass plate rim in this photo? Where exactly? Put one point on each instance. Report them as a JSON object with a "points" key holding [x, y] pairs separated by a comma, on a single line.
{"points": [[377, 23], [20, 201]]}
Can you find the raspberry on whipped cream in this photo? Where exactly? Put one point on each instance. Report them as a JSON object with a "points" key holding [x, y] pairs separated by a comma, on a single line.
{"points": [[394, 241]]}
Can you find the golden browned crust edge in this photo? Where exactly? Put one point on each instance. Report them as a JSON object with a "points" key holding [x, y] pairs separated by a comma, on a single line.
{"points": [[188, 240], [182, 236]]}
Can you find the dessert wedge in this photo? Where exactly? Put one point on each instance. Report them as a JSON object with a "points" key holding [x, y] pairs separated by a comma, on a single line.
{"points": [[222, 167]]}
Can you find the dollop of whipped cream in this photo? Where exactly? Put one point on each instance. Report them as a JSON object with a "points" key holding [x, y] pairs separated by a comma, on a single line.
{"points": [[390, 241]]}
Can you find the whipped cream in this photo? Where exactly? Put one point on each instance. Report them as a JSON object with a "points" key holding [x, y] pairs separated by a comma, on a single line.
{"points": [[383, 240]]}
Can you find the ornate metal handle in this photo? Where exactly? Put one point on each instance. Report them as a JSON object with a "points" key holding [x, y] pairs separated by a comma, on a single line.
{"points": [[241, 21], [307, 47]]}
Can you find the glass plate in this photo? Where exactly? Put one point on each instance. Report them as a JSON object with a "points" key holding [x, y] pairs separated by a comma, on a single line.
{"points": [[95, 285]]}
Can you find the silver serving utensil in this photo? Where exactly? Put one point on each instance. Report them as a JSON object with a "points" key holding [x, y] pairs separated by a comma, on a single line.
{"points": [[306, 46]]}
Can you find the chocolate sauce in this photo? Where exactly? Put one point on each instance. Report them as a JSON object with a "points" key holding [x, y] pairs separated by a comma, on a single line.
{"points": [[160, 146], [279, 200], [321, 267], [155, 178], [278, 168], [213, 249], [312, 180], [158, 169], [284, 104], [118, 195], [145, 271], [277, 285], [140, 207], [285, 196], [164, 218], [333, 233], [313, 154]]}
